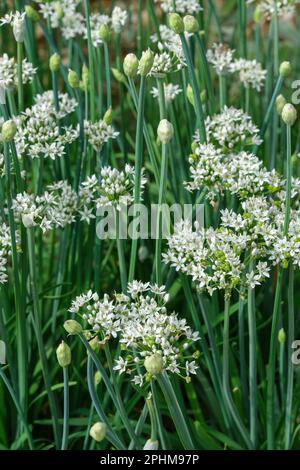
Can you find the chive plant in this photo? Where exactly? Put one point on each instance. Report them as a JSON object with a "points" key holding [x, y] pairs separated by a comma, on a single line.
{"points": [[183, 338]]}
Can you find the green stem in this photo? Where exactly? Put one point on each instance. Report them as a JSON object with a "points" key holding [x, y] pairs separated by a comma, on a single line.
{"points": [[91, 61], [121, 255], [38, 331], [18, 407], [138, 170], [20, 78], [65, 437], [252, 363], [290, 377], [198, 105], [226, 383], [175, 410]]}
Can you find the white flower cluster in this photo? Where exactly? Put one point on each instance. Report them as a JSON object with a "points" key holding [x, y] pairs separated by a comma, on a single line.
{"points": [[214, 258], [232, 129], [17, 21], [64, 15], [144, 328], [169, 41], [39, 133], [165, 62], [5, 251], [60, 205], [239, 173], [181, 6], [98, 133], [117, 187], [171, 92], [250, 72], [269, 7], [9, 72]]}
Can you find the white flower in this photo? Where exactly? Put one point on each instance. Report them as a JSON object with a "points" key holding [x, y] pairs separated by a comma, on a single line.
{"points": [[171, 92], [9, 72], [221, 58], [118, 19], [181, 6], [121, 365], [98, 133], [250, 72], [17, 21]]}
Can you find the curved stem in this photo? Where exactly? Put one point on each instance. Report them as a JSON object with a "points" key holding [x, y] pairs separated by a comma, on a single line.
{"points": [[65, 437]]}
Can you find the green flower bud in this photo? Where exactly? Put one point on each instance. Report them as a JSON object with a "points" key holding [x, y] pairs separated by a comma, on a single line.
{"points": [[190, 94], [295, 159], [63, 354], [203, 96], [280, 103], [146, 62], [107, 118], [118, 75], [54, 62], [165, 131], [281, 336], [154, 364], [194, 146], [176, 23], [289, 114], [98, 431], [85, 77], [257, 15], [151, 445], [72, 327], [104, 32], [94, 343], [8, 131], [191, 24], [285, 69], [130, 65], [73, 79], [97, 378], [32, 13]]}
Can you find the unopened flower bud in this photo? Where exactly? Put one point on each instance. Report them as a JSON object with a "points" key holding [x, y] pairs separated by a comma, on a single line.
{"points": [[154, 364], [118, 75], [289, 114], [73, 79], [130, 65], [8, 131], [257, 15], [18, 25], [191, 24], [104, 32], [63, 354], [72, 327], [98, 431], [165, 131], [281, 336], [285, 69], [143, 253], [146, 62], [194, 146], [151, 445], [94, 344], [85, 82], [54, 62], [190, 94], [97, 378], [28, 220], [203, 96], [176, 23], [107, 118], [32, 13], [280, 103]]}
